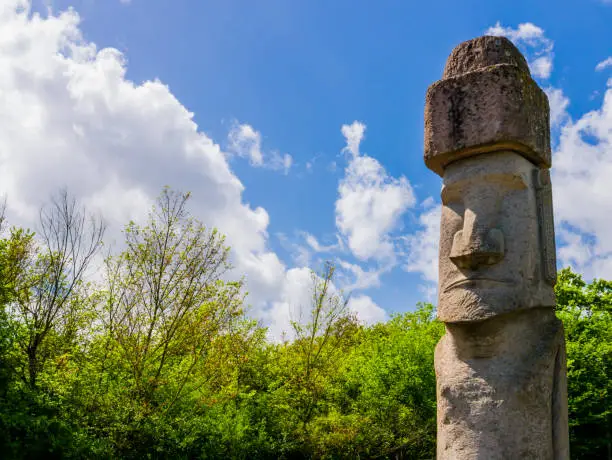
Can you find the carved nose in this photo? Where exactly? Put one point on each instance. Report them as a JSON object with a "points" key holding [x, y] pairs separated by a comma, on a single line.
{"points": [[476, 245]]}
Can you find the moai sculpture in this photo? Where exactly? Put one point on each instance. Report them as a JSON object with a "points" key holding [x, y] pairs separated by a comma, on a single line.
{"points": [[500, 367]]}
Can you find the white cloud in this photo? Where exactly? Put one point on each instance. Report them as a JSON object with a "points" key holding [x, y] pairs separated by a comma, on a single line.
{"points": [[541, 67], [353, 135], [582, 163], [318, 247], [532, 41], [353, 277], [305, 249], [604, 64], [421, 247], [582, 167], [366, 309], [295, 304], [370, 202], [349, 277], [310, 164], [69, 117], [301, 254], [285, 161], [538, 49], [574, 251], [245, 141], [558, 106]]}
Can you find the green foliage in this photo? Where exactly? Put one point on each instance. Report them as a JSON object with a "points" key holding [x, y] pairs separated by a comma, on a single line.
{"points": [[586, 312], [389, 384], [160, 360]]}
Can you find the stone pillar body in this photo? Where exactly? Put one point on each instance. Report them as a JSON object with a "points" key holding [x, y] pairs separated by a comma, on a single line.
{"points": [[500, 367]]}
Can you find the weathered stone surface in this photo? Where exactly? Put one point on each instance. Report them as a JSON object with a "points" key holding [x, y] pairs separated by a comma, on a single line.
{"points": [[500, 368], [490, 241], [547, 227], [475, 112], [502, 390], [482, 52]]}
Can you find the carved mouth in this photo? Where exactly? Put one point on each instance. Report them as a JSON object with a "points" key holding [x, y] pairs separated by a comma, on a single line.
{"points": [[475, 281]]}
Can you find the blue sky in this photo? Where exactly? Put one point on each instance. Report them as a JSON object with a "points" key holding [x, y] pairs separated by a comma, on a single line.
{"points": [[268, 81]]}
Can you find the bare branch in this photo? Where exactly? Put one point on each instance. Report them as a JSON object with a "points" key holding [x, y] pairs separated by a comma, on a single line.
{"points": [[69, 239]]}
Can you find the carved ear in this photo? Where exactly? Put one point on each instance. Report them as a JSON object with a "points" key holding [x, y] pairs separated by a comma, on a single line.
{"points": [[546, 224]]}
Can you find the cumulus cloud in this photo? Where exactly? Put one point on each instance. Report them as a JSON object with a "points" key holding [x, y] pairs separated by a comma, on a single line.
{"points": [[370, 202], [582, 163], [350, 277], [558, 106], [296, 301], [293, 304], [582, 167], [420, 251], [69, 117], [532, 41], [353, 134], [244, 141], [366, 309], [541, 67]]}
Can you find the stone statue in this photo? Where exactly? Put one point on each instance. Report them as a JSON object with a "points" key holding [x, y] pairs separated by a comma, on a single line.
{"points": [[500, 367]]}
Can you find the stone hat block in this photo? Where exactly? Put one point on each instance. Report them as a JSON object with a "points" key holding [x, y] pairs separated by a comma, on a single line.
{"points": [[486, 102]]}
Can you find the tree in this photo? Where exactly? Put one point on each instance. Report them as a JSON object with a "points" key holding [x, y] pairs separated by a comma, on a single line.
{"points": [[48, 270], [41, 278], [586, 312], [319, 342], [168, 308], [9, 265]]}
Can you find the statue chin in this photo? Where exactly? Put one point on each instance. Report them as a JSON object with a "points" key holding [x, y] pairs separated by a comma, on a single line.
{"points": [[480, 301]]}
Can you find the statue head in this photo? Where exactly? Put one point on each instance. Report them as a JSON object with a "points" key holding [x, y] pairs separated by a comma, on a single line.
{"points": [[487, 135], [495, 240]]}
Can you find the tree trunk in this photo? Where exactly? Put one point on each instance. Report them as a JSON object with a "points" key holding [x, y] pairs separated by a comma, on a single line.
{"points": [[32, 365]]}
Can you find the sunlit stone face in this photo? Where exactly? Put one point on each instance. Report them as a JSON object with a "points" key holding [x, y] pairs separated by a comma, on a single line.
{"points": [[490, 246]]}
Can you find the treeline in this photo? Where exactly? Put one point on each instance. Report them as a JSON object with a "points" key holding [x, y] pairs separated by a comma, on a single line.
{"points": [[149, 353]]}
